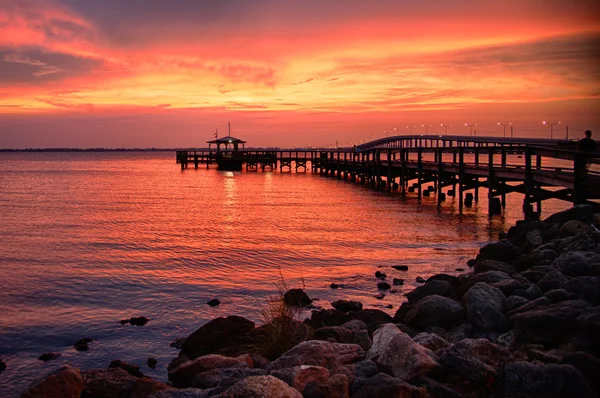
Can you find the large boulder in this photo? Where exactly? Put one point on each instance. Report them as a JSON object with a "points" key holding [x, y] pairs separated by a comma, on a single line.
{"points": [[579, 213], [578, 264], [589, 329], [112, 382], [341, 334], [439, 287], [493, 265], [314, 381], [434, 310], [526, 379], [65, 382], [401, 312], [328, 317], [469, 280], [219, 336], [458, 333], [431, 340], [385, 386], [587, 287], [183, 375], [476, 360], [224, 377], [362, 369], [318, 353], [485, 306], [260, 387], [397, 354], [296, 298], [372, 318], [503, 250], [347, 305], [550, 324], [553, 280], [588, 365], [574, 227]]}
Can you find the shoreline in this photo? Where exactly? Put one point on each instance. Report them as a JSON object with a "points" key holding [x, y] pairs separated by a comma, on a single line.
{"points": [[524, 322]]}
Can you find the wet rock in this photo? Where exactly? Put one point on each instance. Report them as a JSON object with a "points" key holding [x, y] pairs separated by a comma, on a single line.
{"points": [[309, 380], [485, 306], [49, 356], [471, 262], [400, 267], [260, 386], [177, 343], [135, 321], [65, 382], [297, 298], [531, 293], [183, 375], [133, 370], [508, 286], [587, 287], [82, 345], [398, 282], [435, 311], [224, 377], [459, 269], [553, 280], [503, 251], [114, 382], [355, 325], [431, 341], [574, 227], [524, 379], [214, 302], [401, 312], [384, 386], [540, 256], [406, 329], [338, 333], [493, 265], [362, 369], [145, 387], [587, 365], [372, 318], [2, 365], [579, 213], [152, 362], [513, 302], [578, 264], [383, 286], [381, 338], [221, 335], [476, 360], [379, 296], [550, 324], [439, 287], [347, 306], [380, 275], [334, 286], [327, 317], [469, 280], [318, 353], [459, 333], [420, 280]]}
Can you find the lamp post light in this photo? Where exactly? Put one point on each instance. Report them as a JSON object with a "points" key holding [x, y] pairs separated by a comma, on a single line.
{"points": [[471, 126], [504, 125], [445, 126], [426, 128], [411, 128], [551, 128]]}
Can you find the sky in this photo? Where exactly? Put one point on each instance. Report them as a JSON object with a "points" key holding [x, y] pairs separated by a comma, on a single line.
{"points": [[159, 73]]}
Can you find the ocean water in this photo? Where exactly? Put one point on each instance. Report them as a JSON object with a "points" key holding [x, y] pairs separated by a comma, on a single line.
{"points": [[88, 239]]}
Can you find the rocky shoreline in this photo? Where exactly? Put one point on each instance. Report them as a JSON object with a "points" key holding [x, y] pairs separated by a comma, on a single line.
{"points": [[524, 322]]}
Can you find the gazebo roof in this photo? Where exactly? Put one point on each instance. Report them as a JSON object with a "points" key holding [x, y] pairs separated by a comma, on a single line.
{"points": [[226, 140]]}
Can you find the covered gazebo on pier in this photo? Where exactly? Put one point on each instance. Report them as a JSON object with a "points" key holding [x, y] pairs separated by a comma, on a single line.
{"points": [[230, 143]]}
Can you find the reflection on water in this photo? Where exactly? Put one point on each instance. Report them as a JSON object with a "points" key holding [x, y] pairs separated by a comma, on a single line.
{"points": [[89, 239]]}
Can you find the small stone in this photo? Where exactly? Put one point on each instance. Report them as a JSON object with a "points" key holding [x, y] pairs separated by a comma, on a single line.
{"points": [[334, 286], [380, 275], [347, 306], [398, 282], [383, 286], [2, 365], [214, 302], [471, 263], [400, 267], [420, 279], [82, 345], [49, 356], [138, 321], [389, 306], [152, 362], [297, 298], [459, 269], [380, 296], [132, 369], [177, 343]]}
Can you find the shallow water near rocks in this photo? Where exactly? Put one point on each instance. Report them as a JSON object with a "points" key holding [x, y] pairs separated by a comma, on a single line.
{"points": [[88, 239]]}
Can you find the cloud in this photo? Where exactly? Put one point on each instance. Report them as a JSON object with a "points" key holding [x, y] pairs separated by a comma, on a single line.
{"points": [[44, 69]]}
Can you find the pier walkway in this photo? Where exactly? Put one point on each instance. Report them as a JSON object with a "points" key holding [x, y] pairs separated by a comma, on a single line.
{"points": [[444, 166]]}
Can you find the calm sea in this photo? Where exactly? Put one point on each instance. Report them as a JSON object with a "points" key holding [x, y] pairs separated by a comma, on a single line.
{"points": [[87, 239]]}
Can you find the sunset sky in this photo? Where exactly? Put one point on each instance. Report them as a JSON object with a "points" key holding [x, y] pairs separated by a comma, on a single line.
{"points": [[159, 73]]}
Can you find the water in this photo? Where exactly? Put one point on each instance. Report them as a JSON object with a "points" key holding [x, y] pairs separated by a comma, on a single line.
{"points": [[87, 239]]}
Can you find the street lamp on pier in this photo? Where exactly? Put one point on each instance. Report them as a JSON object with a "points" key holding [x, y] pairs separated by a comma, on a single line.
{"points": [[426, 127], [504, 125], [411, 128], [445, 126], [471, 126], [551, 128]]}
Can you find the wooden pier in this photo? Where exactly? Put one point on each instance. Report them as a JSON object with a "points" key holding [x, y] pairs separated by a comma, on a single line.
{"points": [[445, 166]]}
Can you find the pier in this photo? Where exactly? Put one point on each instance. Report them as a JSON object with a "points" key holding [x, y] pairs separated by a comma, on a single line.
{"points": [[443, 166]]}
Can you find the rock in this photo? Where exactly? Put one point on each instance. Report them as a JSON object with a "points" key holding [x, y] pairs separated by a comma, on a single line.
{"points": [[334, 286], [372, 318], [540, 256], [259, 361], [145, 387], [260, 387], [553, 280], [532, 292], [476, 360], [469, 280], [2, 365], [380, 275], [578, 264], [400, 267], [439, 287], [508, 286], [503, 251], [383, 286], [151, 362], [574, 227], [435, 310], [221, 335], [398, 282], [114, 382], [550, 324], [493, 265], [304, 377], [587, 287], [459, 333], [530, 305], [579, 213], [178, 360], [431, 341], [64, 382], [381, 338], [184, 393], [587, 365], [224, 377], [420, 280], [580, 243], [401, 312], [347, 306], [362, 369], [524, 379], [327, 317], [355, 325], [590, 328], [379, 296], [49, 356], [338, 333], [508, 340], [435, 389], [177, 343], [133, 370], [384, 386], [406, 329], [514, 302], [557, 295], [214, 302], [297, 298], [82, 345], [485, 306], [318, 353], [183, 375], [533, 240], [138, 321], [471, 262]]}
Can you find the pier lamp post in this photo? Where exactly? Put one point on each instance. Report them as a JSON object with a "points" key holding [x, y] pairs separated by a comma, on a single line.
{"points": [[504, 125], [445, 126], [426, 128], [471, 126], [551, 128], [411, 128]]}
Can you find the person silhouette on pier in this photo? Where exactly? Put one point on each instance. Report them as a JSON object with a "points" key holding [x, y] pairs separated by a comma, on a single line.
{"points": [[587, 144]]}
